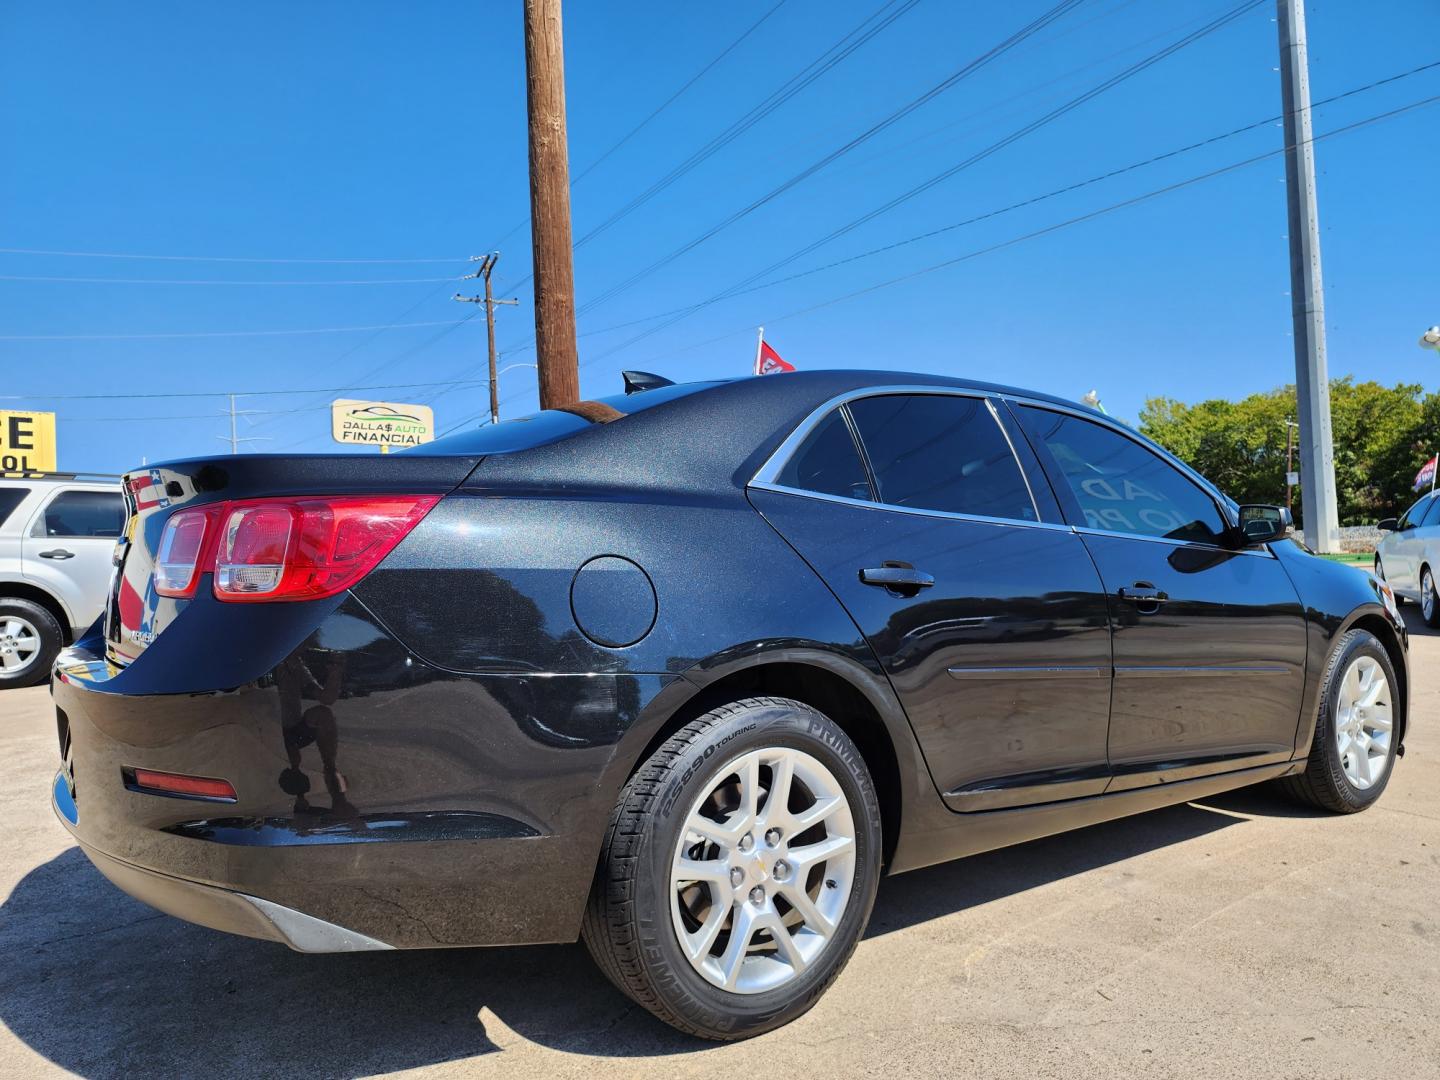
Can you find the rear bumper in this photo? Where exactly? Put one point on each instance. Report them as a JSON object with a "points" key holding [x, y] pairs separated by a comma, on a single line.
{"points": [[381, 803], [219, 909]]}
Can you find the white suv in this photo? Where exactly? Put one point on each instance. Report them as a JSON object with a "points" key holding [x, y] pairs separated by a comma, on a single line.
{"points": [[57, 539]]}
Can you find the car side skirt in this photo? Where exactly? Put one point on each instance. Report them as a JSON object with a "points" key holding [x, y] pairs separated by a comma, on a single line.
{"points": [[986, 830]]}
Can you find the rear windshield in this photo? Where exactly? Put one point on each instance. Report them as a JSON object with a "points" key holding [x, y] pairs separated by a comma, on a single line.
{"points": [[548, 426], [10, 498]]}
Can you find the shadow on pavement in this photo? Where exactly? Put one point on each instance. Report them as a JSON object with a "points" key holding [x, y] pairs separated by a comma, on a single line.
{"points": [[103, 986]]}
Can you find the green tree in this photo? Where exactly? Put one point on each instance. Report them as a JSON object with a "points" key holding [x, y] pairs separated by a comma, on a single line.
{"points": [[1382, 435]]}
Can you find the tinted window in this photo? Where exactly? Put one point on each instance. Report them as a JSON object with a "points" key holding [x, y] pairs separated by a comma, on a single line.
{"points": [[10, 498], [941, 452], [1432, 513], [1414, 514], [83, 513], [827, 462], [1123, 487]]}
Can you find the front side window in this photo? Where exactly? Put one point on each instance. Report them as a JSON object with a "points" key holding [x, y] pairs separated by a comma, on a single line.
{"points": [[1431, 515], [827, 462], [1123, 487], [1412, 517], [83, 513], [941, 452]]}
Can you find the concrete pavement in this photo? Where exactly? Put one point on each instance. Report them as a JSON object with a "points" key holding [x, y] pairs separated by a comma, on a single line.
{"points": [[1239, 937]]}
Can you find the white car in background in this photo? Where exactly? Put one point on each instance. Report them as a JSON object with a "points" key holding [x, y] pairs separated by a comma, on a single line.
{"points": [[1408, 555], [57, 544]]}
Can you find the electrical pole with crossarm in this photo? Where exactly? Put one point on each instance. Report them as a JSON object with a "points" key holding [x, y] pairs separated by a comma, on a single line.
{"points": [[555, 346], [487, 266]]}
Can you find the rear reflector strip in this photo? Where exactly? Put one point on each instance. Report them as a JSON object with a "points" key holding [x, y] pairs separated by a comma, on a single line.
{"points": [[177, 785]]}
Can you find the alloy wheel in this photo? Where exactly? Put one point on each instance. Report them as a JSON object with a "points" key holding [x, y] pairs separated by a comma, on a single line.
{"points": [[1427, 594], [763, 870], [19, 644], [1363, 721]]}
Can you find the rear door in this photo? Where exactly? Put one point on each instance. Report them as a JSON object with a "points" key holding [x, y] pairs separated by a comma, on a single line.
{"points": [[70, 545], [982, 606], [1209, 641]]}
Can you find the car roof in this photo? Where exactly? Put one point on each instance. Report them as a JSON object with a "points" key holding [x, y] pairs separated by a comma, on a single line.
{"points": [[717, 435]]}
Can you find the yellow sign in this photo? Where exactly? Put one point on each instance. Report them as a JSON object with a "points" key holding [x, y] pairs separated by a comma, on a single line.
{"points": [[27, 441], [381, 423]]}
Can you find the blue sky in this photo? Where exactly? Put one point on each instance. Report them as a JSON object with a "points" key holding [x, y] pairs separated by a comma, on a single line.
{"points": [[367, 131]]}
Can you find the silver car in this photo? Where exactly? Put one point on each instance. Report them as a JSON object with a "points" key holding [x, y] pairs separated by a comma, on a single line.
{"points": [[1408, 555], [57, 540]]}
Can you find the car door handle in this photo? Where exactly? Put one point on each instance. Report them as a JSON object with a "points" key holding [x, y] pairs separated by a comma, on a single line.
{"points": [[905, 580], [57, 553], [1146, 598]]}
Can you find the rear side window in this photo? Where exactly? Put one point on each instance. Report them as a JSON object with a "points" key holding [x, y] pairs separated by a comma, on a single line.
{"points": [[10, 498], [1121, 486], [83, 513], [941, 452], [827, 462]]}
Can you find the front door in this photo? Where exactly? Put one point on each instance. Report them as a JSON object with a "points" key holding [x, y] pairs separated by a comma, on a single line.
{"points": [[1209, 639], [983, 608]]}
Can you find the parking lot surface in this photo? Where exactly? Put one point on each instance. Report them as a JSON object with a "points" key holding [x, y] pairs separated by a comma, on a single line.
{"points": [[1237, 937]]}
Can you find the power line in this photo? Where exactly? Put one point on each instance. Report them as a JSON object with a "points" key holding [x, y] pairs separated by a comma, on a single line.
{"points": [[218, 258], [230, 333], [835, 55], [676, 95], [1066, 189], [216, 393], [963, 72], [1027, 129], [213, 281], [827, 61], [1077, 220]]}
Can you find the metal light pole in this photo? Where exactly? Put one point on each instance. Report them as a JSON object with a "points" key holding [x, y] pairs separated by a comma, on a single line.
{"points": [[1307, 293]]}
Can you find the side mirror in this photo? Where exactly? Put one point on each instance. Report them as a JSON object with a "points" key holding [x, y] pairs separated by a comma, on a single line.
{"points": [[1387, 524], [1260, 524]]}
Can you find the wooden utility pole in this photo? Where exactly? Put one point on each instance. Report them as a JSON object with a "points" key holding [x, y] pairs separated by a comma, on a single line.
{"points": [[555, 349], [487, 266]]}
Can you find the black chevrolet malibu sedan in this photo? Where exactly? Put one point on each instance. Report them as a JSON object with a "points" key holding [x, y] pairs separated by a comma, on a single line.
{"points": [[683, 671]]}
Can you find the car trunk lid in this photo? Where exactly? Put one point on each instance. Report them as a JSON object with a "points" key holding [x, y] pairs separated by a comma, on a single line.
{"points": [[136, 614]]}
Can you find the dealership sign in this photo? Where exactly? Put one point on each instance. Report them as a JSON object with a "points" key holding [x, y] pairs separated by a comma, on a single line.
{"points": [[27, 441], [381, 423]]}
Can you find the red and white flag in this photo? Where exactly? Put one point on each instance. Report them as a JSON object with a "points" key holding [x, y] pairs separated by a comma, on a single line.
{"points": [[767, 360]]}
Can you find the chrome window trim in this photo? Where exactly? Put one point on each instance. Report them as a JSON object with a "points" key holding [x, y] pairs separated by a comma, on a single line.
{"points": [[1222, 504], [765, 477], [765, 485], [1260, 552]]}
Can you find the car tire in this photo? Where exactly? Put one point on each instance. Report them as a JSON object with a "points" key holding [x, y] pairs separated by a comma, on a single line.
{"points": [[1352, 712], [1429, 601], [642, 901], [30, 637]]}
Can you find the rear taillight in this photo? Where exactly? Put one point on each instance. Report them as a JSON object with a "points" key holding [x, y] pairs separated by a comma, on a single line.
{"points": [[182, 545], [305, 549], [283, 549]]}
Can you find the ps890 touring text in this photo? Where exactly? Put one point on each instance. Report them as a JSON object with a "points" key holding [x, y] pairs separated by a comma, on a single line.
{"points": [[683, 671]]}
